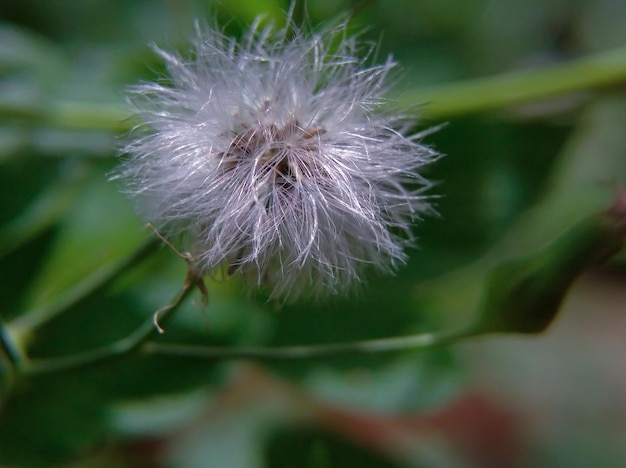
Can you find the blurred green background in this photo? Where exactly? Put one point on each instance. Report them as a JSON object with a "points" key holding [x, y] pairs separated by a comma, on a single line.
{"points": [[511, 178]]}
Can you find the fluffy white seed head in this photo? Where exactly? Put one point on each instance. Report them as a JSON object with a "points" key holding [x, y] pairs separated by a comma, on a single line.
{"points": [[269, 159]]}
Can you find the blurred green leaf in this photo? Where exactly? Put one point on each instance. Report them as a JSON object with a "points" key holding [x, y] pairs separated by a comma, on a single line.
{"points": [[20, 48], [99, 228], [584, 179], [42, 213]]}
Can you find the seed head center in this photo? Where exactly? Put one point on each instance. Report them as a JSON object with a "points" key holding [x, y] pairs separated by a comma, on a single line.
{"points": [[279, 148]]}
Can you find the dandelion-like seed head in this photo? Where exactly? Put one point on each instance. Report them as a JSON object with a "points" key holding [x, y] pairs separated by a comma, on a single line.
{"points": [[269, 158]]}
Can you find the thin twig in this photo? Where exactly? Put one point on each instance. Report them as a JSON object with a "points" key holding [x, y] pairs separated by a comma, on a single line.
{"points": [[197, 277], [115, 350], [377, 346]]}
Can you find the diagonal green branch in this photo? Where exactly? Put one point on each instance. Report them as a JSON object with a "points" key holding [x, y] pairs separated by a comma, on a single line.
{"points": [[600, 70], [498, 92]]}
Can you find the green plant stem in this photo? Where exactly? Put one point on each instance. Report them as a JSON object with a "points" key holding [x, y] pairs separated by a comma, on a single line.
{"points": [[377, 346], [522, 295], [21, 327], [137, 342], [498, 92], [118, 349], [447, 100], [112, 117]]}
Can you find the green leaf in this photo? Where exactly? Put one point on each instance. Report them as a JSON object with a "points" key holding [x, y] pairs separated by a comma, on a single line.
{"points": [[49, 205], [99, 229], [20, 48]]}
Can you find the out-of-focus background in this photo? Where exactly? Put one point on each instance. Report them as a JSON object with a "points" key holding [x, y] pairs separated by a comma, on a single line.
{"points": [[557, 399]]}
